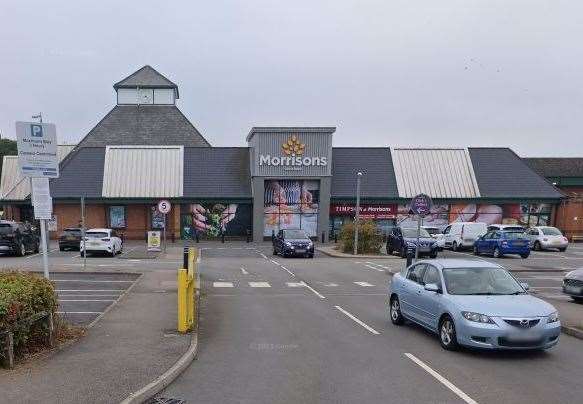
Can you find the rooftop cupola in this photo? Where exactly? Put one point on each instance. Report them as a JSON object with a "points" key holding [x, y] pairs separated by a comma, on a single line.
{"points": [[146, 86]]}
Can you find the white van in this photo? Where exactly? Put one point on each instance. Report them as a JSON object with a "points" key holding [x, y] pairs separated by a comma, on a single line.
{"points": [[463, 234]]}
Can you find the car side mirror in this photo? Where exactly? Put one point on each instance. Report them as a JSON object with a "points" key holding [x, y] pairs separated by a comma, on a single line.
{"points": [[432, 287], [524, 285]]}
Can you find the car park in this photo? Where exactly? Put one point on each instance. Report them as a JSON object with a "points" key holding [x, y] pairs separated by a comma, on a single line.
{"points": [[472, 303], [545, 237], [506, 227], [462, 235], [573, 285], [101, 241], [70, 238], [403, 239], [501, 243], [18, 238], [293, 242]]}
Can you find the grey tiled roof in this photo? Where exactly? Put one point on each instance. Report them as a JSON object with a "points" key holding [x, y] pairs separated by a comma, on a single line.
{"points": [[147, 76], [216, 172], [144, 125], [556, 166], [502, 174], [376, 164], [81, 174]]}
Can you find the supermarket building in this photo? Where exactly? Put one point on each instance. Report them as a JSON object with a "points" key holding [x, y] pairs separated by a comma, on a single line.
{"points": [[145, 150]]}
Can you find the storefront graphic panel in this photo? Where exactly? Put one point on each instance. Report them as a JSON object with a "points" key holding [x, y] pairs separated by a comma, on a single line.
{"points": [[214, 219]]}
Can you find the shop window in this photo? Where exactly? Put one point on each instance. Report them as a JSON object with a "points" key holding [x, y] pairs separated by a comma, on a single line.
{"points": [[117, 217], [291, 204], [156, 219]]}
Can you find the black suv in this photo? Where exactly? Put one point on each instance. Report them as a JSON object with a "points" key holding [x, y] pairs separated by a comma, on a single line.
{"points": [[17, 238], [290, 242], [402, 238], [70, 238]]}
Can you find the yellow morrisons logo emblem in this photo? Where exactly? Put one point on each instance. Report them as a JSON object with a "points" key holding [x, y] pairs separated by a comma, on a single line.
{"points": [[293, 147]]}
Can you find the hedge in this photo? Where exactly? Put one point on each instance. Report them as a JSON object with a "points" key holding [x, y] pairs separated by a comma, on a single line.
{"points": [[370, 240], [23, 295]]}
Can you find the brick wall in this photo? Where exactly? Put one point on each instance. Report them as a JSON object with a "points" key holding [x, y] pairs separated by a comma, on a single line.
{"points": [[70, 216], [569, 217]]}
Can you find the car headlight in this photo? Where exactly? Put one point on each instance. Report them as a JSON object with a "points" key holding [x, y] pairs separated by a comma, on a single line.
{"points": [[477, 317], [410, 244], [553, 317], [288, 244], [310, 244]]}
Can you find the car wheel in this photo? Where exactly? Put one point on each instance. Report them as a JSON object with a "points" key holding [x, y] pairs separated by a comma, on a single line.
{"points": [[577, 299], [113, 251], [476, 252], [61, 248], [454, 246], [21, 250], [403, 252], [537, 246], [447, 335], [395, 312], [497, 253], [563, 249], [274, 251], [524, 256]]}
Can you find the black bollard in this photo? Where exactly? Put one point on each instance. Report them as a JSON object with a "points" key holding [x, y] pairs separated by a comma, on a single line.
{"points": [[196, 236], [185, 259], [409, 257], [323, 237], [335, 237], [223, 237], [248, 235]]}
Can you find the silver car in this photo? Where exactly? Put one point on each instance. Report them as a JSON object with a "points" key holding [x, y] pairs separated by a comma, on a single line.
{"points": [[573, 285], [545, 237], [473, 303]]}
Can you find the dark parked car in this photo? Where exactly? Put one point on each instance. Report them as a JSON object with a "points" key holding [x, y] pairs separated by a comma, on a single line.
{"points": [[401, 238], [500, 243], [70, 238], [290, 242], [17, 238]]}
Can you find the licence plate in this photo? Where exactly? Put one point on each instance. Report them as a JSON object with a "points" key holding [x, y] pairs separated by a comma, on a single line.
{"points": [[70, 238], [424, 249], [300, 250], [523, 337], [93, 243], [556, 242], [573, 289]]}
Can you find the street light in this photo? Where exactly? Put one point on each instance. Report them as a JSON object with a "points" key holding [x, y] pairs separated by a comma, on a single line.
{"points": [[357, 214]]}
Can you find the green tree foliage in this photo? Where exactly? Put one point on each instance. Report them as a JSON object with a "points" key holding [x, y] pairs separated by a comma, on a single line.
{"points": [[369, 239], [7, 148]]}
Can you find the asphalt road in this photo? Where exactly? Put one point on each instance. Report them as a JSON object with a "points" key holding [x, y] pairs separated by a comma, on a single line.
{"points": [[304, 331]]}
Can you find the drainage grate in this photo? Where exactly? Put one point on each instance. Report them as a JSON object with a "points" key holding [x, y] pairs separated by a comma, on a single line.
{"points": [[165, 400]]}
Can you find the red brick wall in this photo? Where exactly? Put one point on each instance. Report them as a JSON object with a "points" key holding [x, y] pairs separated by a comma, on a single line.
{"points": [[70, 216], [567, 212]]}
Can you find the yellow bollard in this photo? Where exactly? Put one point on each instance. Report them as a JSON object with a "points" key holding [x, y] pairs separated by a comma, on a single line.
{"points": [[182, 300]]}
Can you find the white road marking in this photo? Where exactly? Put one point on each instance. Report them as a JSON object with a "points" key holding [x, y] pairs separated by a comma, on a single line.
{"points": [[441, 379], [85, 300], [375, 268], [244, 272], [90, 290], [331, 285], [356, 320], [79, 312], [287, 270], [363, 284], [89, 281], [263, 255], [39, 253], [315, 291], [60, 296], [295, 284], [222, 284], [259, 284], [275, 262]]}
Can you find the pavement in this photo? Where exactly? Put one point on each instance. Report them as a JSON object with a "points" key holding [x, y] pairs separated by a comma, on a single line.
{"points": [[132, 342], [296, 330]]}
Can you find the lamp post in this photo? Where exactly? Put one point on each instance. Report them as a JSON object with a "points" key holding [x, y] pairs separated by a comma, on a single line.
{"points": [[357, 212]]}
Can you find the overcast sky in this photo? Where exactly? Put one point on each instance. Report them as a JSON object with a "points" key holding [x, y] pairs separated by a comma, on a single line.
{"points": [[385, 73]]}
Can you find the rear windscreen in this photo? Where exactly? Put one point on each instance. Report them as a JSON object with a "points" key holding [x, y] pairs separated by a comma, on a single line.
{"points": [[72, 232], [97, 235], [5, 228]]}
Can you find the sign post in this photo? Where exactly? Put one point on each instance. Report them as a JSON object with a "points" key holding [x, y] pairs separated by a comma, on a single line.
{"points": [[164, 207], [420, 206], [37, 159]]}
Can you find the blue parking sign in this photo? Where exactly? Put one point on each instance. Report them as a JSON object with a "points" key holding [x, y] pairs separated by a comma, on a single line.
{"points": [[36, 130]]}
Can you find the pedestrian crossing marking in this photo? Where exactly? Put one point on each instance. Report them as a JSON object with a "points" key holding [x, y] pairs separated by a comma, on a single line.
{"points": [[223, 284], [364, 284], [259, 284], [295, 284]]}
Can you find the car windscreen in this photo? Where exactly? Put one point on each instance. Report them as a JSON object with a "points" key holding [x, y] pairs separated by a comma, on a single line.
{"points": [[513, 235], [513, 228], [5, 228], [551, 231], [480, 281], [72, 232], [97, 235], [294, 234], [432, 230], [412, 233]]}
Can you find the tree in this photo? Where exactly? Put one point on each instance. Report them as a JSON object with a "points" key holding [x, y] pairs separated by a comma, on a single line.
{"points": [[7, 148]]}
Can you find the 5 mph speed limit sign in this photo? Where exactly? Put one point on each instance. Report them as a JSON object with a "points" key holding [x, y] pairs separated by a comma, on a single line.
{"points": [[164, 206]]}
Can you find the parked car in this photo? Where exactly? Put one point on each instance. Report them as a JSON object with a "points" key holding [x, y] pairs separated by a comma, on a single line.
{"points": [[101, 240], [70, 238], [545, 237], [432, 230], [18, 238], [506, 227], [473, 303], [573, 285], [402, 238], [500, 243], [290, 242], [460, 235]]}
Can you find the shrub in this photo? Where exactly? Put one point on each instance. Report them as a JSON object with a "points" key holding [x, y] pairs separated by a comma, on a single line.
{"points": [[369, 239], [23, 295]]}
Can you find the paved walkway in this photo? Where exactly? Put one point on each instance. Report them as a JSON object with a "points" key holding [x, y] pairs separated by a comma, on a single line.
{"points": [[130, 346]]}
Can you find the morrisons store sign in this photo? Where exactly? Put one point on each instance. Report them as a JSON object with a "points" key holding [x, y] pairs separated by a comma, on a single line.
{"points": [[292, 156]]}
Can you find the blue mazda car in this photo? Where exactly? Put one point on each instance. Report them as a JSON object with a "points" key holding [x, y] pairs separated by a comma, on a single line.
{"points": [[473, 303], [499, 243]]}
